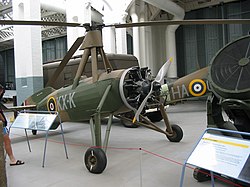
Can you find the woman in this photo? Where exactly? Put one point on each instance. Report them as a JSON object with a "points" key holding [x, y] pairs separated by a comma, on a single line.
{"points": [[7, 141]]}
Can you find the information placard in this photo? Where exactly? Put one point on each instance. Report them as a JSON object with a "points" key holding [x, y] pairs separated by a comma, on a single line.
{"points": [[34, 121], [223, 154], [38, 121]]}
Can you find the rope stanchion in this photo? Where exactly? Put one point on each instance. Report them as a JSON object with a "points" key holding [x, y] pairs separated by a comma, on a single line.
{"points": [[140, 152]]}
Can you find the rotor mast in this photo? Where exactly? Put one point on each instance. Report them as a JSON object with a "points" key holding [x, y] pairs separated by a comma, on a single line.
{"points": [[92, 46]]}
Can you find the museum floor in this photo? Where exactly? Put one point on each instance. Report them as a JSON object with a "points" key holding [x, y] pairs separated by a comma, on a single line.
{"points": [[158, 163]]}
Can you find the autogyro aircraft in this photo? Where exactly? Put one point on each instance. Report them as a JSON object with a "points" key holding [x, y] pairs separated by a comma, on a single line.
{"points": [[108, 93]]}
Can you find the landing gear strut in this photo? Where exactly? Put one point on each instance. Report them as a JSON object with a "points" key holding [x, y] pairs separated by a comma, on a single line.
{"points": [[95, 158], [173, 132]]}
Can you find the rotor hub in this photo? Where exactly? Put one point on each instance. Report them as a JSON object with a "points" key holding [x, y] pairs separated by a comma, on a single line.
{"points": [[244, 61]]}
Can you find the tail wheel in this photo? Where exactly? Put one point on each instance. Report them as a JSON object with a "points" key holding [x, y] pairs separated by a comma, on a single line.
{"points": [[177, 134], [126, 123], [129, 124], [201, 175], [95, 160]]}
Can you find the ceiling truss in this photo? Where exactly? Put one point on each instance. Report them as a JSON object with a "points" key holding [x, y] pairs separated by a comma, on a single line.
{"points": [[48, 32]]}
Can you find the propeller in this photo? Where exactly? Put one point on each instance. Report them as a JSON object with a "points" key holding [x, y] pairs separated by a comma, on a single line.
{"points": [[154, 84]]}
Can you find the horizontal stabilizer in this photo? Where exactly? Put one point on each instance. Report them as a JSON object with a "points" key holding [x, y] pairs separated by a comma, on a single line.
{"points": [[16, 108]]}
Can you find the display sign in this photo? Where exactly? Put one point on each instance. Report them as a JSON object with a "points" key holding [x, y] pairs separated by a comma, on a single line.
{"points": [[223, 154], [34, 121], [38, 121]]}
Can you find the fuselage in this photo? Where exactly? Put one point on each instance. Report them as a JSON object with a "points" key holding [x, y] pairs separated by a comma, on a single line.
{"points": [[191, 85], [81, 103]]}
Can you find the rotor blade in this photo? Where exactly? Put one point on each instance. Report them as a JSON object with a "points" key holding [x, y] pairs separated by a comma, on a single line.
{"points": [[65, 60], [163, 71], [182, 22], [38, 23]]}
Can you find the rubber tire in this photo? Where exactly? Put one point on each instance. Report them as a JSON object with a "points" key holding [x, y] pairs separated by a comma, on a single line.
{"points": [[178, 134], [126, 123], [200, 175], [95, 160], [154, 116]]}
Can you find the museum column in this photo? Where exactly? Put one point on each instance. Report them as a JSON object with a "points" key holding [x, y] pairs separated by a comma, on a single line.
{"points": [[136, 35], [145, 38], [114, 40], [121, 37], [27, 49], [178, 14], [108, 33], [77, 11], [171, 49]]}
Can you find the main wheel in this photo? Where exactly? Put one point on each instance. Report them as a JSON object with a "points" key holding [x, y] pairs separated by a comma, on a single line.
{"points": [[95, 160], [154, 116], [177, 134]]}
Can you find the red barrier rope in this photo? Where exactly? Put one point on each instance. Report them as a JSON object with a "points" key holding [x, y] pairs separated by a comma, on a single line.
{"points": [[146, 151]]}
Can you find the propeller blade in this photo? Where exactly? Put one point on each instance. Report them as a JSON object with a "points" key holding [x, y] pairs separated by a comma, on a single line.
{"points": [[159, 78], [38, 23], [182, 22], [138, 112], [163, 71]]}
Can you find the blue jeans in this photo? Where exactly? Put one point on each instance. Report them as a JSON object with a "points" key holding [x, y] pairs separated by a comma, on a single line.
{"points": [[5, 131]]}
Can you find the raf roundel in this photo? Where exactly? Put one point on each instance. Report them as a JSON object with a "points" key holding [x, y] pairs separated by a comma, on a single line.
{"points": [[197, 87], [51, 104]]}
